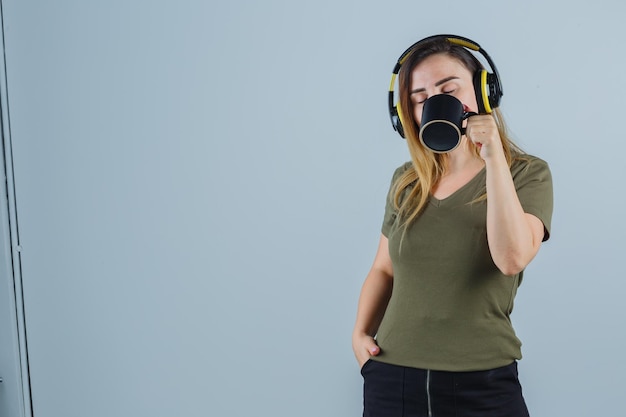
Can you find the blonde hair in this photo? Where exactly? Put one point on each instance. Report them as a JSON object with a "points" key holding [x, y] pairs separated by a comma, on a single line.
{"points": [[428, 167]]}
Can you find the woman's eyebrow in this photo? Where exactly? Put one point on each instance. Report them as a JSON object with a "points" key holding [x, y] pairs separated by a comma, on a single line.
{"points": [[438, 83]]}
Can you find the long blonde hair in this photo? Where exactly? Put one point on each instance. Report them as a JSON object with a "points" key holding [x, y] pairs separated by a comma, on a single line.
{"points": [[428, 167]]}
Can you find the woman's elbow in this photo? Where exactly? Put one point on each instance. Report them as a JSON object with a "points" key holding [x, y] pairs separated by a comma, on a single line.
{"points": [[513, 264], [510, 269]]}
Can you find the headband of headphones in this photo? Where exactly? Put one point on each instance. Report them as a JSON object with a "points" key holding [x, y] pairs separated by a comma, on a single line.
{"points": [[487, 86]]}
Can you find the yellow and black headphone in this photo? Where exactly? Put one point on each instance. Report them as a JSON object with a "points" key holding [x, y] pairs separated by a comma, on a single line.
{"points": [[487, 86]]}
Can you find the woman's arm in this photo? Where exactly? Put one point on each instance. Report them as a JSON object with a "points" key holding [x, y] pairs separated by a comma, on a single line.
{"points": [[514, 236], [375, 295]]}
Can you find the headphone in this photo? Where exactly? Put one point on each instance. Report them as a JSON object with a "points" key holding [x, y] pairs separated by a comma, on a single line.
{"points": [[487, 86]]}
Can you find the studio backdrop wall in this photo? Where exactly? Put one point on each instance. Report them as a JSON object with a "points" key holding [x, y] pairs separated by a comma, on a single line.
{"points": [[199, 188]]}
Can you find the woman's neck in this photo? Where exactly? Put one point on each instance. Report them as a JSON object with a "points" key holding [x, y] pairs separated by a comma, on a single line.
{"points": [[463, 159]]}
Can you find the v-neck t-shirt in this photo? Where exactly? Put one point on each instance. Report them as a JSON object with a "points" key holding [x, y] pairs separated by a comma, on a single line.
{"points": [[450, 306]]}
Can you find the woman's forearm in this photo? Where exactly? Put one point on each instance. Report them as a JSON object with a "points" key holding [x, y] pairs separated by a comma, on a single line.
{"points": [[373, 300]]}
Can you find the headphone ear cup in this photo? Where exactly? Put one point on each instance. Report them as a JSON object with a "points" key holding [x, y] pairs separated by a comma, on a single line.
{"points": [[480, 89], [488, 91], [396, 120], [495, 90]]}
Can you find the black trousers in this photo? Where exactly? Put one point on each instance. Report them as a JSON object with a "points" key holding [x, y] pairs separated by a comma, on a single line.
{"points": [[398, 391]]}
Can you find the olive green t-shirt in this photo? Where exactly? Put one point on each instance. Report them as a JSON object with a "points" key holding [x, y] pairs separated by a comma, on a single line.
{"points": [[450, 306]]}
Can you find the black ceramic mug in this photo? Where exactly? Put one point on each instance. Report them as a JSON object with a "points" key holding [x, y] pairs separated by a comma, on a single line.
{"points": [[442, 123]]}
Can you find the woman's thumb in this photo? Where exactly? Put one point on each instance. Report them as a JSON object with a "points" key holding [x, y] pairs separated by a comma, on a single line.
{"points": [[373, 349]]}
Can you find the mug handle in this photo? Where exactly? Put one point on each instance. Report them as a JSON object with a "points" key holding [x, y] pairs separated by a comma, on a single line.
{"points": [[467, 115]]}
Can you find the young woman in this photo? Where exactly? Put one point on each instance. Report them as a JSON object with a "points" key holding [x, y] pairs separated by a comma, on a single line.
{"points": [[433, 334]]}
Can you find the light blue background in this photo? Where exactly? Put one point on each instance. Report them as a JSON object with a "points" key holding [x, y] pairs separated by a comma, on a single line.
{"points": [[200, 188]]}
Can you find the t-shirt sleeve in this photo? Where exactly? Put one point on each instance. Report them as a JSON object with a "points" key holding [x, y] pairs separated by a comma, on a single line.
{"points": [[533, 182], [390, 211]]}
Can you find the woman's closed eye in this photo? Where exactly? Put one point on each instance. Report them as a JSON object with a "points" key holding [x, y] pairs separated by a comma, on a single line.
{"points": [[421, 98]]}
